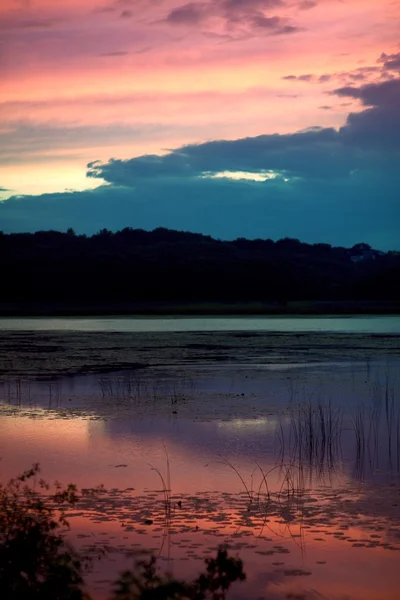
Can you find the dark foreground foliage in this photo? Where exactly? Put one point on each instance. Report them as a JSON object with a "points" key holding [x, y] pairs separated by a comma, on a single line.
{"points": [[145, 584], [135, 266], [36, 562]]}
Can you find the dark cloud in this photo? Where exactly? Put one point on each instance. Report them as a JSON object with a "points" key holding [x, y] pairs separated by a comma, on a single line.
{"points": [[385, 94], [253, 14], [116, 53], [327, 185], [316, 153], [121, 6], [307, 77], [357, 75], [379, 126], [287, 29], [240, 8], [390, 61], [338, 212], [192, 13], [307, 5], [126, 14], [267, 22]]}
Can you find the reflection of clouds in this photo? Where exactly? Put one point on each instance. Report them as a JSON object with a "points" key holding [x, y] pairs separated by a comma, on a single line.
{"points": [[246, 442], [246, 425], [45, 434], [271, 553], [197, 441], [58, 445]]}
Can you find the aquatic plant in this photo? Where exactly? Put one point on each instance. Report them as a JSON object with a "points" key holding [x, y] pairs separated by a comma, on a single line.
{"points": [[313, 437], [374, 423], [132, 388], [166, 486], [36, 562]]}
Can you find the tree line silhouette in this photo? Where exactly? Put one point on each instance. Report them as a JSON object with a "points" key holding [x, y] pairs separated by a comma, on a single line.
{"points": [[133, 267]]}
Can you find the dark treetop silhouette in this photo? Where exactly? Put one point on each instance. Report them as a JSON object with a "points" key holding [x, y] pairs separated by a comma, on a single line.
{"points": [[132, 268]]}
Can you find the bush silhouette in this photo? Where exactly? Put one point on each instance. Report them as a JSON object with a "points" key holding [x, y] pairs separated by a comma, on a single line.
{"points": [[37, 563]]}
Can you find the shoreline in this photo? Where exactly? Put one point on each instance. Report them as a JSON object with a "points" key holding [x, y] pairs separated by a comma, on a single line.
{"points": [[48, 354], [289, 308]]}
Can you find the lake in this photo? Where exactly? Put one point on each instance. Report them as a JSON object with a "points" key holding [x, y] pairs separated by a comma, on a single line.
{"points": [[350, 324], [282, 443]]}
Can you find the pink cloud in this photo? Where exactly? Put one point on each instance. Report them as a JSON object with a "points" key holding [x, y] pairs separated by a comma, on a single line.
{"points": [[194, 69]]}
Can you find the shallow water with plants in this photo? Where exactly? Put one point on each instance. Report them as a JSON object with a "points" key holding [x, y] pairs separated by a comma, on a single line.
{"points": [[285, 448]]}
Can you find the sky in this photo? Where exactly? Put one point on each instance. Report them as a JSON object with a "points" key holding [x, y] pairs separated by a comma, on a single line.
{"points": [[233, 118]]}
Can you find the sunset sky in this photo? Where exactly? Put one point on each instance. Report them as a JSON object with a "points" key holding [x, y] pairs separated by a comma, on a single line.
{"points": [[254, 118]]}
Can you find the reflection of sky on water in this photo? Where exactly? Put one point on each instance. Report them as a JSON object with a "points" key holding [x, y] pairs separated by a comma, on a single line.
{"points": [[71, 429], [90, 450], [345, 383], [364, 323], [245, 413]]}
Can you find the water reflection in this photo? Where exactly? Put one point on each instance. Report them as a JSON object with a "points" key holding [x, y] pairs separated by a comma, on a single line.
{"points": [[297, 472], [295, 533], [369, 324]]}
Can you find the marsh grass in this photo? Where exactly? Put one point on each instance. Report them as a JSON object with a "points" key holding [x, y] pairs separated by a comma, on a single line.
{"points": [[54, 391], [310, 434], [313, 436], [17, 391], [285, 506], [127, 387], [140, 391], [376, 428], [166, 487]]}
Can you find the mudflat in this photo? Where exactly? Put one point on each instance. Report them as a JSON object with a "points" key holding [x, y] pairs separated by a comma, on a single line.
{"points": [[39, 355]]}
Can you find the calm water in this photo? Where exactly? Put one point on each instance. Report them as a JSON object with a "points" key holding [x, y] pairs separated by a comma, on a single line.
{"points": [[351, 324], [329, 526]]}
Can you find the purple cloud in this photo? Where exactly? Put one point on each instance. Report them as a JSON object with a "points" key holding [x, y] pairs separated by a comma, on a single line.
{"points": [[386, 94], [267, 22], [245, 6], [307, 77], [390, 61], [192, 13], [379, 125], [307, 5], [287, 29], [255, 14], [116, 53]]}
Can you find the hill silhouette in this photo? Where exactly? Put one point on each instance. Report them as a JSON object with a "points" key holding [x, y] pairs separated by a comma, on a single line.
{"points": [[133, 270]]}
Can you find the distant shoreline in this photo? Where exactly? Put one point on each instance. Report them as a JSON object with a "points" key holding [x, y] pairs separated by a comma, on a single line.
{"points": [[291, 308], [47, 355]]}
